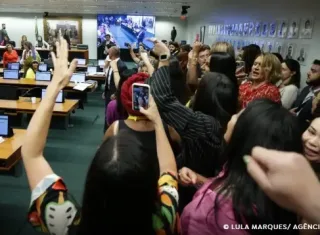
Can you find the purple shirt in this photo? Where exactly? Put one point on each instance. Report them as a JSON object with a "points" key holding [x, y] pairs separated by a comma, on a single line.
{"points": [[199, 217], [113, 114]]}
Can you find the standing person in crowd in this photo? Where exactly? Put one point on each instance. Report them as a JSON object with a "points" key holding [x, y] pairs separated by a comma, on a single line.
{"points": [[104, 47], [290, 83], [173, 34], [266, 71], [29, 55], [110, 84], [174, 48], [233, 197], [223, 47], [288, 180], [41, 43], [120, 166], [198, 64], [303, 104], [202, 127], [185, 48], [23, 40], [10, 56], [250, 53]]}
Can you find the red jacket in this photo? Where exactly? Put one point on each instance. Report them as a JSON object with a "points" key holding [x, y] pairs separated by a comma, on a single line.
{"points": [[10, 57]]}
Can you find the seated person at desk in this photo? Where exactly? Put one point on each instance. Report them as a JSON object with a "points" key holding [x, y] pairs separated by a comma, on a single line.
{"points": [[10, 56], [31, 72], [40, 43], [29, 55]]}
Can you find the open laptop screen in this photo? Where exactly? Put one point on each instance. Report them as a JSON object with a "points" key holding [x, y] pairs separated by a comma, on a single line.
{"points": [[11, 74], [43, 76], [81, 61], [60, 97], [91, 70], [4, 125], [78, 77], [15, 66], [43, 67]]}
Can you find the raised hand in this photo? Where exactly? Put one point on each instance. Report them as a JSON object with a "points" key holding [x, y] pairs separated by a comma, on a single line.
{"points": [[62, 73], [187, 177]]}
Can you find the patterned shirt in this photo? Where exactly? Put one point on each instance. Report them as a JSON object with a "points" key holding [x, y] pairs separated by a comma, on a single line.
{"points": [[53, 210], [266, 90]]}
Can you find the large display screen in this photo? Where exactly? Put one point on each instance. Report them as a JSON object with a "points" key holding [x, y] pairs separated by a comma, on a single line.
{"points": [[126, 29]]}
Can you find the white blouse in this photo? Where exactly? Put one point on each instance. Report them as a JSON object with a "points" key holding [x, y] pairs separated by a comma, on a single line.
{"points": [[289, 94]]}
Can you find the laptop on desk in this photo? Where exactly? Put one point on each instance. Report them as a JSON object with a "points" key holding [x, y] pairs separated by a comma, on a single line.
{"points": [[60, 97], [92, 70], [5, 129], [78, 77], [11, 74], [43, 67], [14, 66], [43, 76]]}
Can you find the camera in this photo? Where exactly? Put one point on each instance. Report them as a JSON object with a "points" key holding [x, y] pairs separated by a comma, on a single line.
{"points": [[127, 44]]}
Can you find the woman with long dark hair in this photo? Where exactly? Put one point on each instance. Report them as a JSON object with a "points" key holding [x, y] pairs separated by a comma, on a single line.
{"points": [[290, 82], [233, 198], [126, 191], [202, 127]]}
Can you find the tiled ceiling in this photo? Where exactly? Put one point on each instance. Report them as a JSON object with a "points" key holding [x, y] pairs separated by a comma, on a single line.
{"points": [[142, 7]]}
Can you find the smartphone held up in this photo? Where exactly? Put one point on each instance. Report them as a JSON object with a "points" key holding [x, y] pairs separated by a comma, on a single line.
{"points": [[140, 96]]}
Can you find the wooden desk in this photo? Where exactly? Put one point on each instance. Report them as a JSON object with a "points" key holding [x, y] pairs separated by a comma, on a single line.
{"points": [[24, 105], [44, 53], [32, 83], [96, 77], [10, 150]]}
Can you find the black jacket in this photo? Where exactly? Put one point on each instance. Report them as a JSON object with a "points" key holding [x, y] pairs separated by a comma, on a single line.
{"points": [[304, 109], [121, 67]]}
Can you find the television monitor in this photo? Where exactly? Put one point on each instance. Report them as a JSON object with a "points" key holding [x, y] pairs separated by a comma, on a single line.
{"points": [[4, 125], [60, 97], [78, 77], [43, 67], [82, 61], [15, 66], [43, 76], [126, 29], [11, 74], [92, 70]]}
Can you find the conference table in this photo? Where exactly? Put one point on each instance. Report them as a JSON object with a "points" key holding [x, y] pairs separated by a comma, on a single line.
{"points": [[24, 105], [1, 71], [10, 150]]}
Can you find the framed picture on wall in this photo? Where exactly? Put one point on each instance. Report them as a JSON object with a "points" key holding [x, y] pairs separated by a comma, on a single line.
{"points": [[306, 27], [302, 54], [69, 26], [294, 28], [278, 48], [265, 29], [290, 50], [257, 29], [272, 29], [202, 33], [283, 29]]}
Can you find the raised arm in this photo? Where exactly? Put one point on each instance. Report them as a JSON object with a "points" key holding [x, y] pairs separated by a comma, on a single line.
{"points": [[165, 154], [47, 46], [133, 55], [186, 122], [32, 150], [192, 75], [116, 74], [147, 62]]}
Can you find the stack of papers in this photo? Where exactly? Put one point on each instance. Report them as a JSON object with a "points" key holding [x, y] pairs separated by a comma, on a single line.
{"points": [[81, 86]]}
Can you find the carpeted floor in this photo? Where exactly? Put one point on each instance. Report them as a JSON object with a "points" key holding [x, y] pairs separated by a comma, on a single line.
{"points": [[69, 153]]}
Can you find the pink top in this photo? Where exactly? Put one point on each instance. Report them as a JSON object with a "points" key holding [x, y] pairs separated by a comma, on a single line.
{"points": [[198, 216]]}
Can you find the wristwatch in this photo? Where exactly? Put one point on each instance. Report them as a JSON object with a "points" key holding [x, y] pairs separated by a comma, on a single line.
{"points": [[164, 57]]}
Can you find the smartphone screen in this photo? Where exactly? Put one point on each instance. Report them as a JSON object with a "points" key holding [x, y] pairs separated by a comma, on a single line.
{"points": [[140, 96], [197, 37]]}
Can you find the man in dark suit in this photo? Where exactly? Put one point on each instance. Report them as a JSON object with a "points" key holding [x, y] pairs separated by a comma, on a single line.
{"points": [[173, 34], [103, 49], [110, 87], [303, 104]]}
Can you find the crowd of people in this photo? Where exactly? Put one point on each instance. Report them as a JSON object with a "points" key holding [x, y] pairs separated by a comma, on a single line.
{"points": [[218, 144]]}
